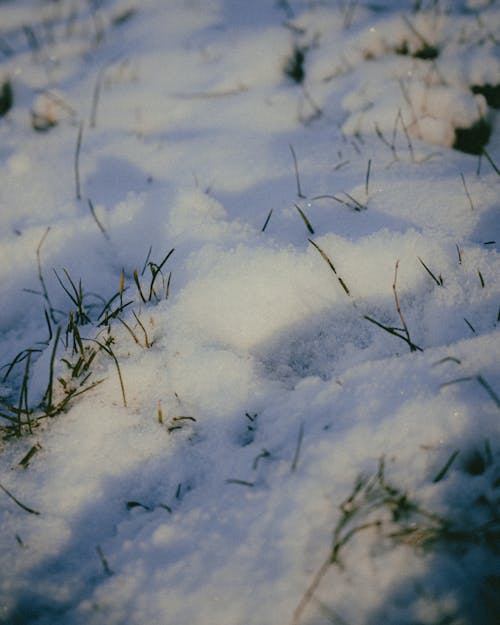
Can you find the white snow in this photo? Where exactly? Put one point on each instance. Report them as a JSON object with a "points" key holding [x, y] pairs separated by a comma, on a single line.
{"points": [[273, 368]]}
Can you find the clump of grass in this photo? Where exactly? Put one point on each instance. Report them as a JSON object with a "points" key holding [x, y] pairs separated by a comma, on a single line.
{"points": [[19, 416], [397, 518], [155, 270], [73, 356]]}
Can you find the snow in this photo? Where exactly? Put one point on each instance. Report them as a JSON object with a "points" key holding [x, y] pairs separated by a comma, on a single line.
{"points": [[275, 398]]}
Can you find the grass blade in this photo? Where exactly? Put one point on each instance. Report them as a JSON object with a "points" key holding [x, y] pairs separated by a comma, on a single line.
{"points": [[304, 219], [296, 168], [16, 501], [267, 220], [438, 281], [330, 264]]}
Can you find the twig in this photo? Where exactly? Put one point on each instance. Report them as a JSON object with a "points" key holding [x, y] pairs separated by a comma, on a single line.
{"points": [[367, 179]]}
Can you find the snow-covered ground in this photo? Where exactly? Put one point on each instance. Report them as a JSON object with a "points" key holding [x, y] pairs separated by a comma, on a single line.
{"points": [[249, 312]]}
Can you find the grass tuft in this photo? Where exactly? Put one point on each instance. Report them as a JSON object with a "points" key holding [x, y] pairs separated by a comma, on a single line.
{"points": [[155, 270], [376, 505]]}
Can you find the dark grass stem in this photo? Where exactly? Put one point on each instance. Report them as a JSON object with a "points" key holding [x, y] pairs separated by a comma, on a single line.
{"points": [[96, 219], [17, 502], [467, 192], [296, 168], [441, 474], [107, 348], [305, 219], [267, 220], [330, 264], [23, 400], [490, 160], [77, 162], [50, 385], [40, 274], [438, 281], [398, 308], [105, 565], [155, 270], [298, 447]]}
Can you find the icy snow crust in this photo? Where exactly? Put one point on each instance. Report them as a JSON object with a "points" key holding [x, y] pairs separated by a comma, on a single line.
{"points": [[267, 389]]}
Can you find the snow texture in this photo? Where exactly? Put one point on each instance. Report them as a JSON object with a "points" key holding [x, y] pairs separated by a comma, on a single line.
{"points": [[249, 314]]}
